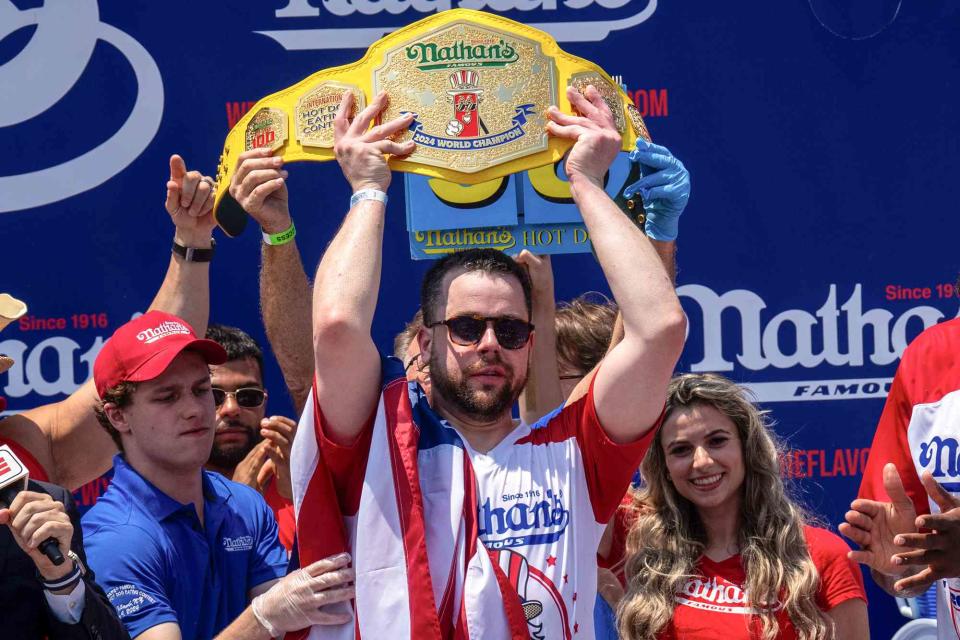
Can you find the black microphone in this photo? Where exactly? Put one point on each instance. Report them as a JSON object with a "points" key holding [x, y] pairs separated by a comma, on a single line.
{"points": [[13, 479]]}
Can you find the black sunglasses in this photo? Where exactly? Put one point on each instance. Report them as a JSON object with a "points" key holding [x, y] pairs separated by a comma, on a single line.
{"points": [[248, 398], [512, 333]]}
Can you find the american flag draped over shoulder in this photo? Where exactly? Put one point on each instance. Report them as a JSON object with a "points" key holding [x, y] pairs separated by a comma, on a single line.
{"points": [[421, 570]]}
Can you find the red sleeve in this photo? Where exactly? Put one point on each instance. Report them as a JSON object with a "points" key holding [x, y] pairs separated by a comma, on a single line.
{"points": [[840, 577], [608, 466], [346, 464], [283, 512], [623, 520], [890, 444]]}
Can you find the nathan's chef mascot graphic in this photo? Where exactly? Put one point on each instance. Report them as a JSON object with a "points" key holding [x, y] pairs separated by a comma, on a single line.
{"points": [[536, 593]]}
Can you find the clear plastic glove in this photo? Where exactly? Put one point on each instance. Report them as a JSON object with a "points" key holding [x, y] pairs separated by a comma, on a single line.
{"points": [[301, 599], [664, 187]]}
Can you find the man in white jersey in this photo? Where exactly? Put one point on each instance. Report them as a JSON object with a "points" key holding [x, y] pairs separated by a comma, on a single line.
{"points": [[906, 518], [535, 502]]}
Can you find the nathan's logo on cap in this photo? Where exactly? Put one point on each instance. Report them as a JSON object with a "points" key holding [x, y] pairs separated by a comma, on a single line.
{"points": [[164, 329]]}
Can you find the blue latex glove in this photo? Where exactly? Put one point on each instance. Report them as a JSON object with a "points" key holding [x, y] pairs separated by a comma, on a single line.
{"points": [[664, 187]]}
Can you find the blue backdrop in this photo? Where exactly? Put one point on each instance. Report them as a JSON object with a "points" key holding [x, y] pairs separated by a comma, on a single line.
{"points": [[821, 136]]}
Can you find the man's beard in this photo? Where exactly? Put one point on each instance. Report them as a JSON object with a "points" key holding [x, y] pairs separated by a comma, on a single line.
{"points": [[476, 404], [230, 455]]}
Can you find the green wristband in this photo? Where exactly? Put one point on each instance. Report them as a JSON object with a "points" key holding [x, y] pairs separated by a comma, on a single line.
{"points": [[276, 239]]}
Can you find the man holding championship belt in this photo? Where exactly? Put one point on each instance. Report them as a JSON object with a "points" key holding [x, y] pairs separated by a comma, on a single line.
{"points": [[462, 523]]}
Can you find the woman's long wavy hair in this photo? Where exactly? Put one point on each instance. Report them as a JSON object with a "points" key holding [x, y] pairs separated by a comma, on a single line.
{"points": [[668, 537]]}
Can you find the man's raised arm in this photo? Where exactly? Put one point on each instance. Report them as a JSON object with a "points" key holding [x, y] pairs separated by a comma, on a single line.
{"points": [[65, 436], [348, 278], [185, 291], [630, 386], [259, 185]]}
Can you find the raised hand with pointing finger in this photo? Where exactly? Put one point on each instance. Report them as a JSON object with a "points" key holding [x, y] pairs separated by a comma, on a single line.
{"points": [[189, 202]]}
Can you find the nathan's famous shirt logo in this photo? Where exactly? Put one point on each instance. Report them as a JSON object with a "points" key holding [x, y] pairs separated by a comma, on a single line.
{"points": [[240, 543], [939, 451], [528, 521], [430, 56], [944, 455], [716, 594]]}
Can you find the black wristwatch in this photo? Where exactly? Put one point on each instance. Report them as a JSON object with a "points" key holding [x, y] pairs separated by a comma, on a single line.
{"points": [[195, 255]]}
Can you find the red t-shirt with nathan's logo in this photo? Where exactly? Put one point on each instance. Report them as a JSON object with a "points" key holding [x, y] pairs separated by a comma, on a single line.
{"points": [[713, 606]]}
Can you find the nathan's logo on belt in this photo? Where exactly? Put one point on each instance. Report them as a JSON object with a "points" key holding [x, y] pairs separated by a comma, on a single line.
{"points": [[430, 56], [523, 523], [240, 543]]}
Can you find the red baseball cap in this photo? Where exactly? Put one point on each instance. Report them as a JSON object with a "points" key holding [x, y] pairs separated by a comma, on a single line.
{"points": [[143, 348]]}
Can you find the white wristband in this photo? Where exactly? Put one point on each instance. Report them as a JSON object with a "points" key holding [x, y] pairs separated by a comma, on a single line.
{"points": [[368, 194]]}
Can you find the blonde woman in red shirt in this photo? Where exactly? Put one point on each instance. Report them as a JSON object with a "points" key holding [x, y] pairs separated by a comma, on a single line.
{"points": [[718, 549]]}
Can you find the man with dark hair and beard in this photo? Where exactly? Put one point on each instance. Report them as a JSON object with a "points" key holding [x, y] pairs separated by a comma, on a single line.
{"points": [[462, 522], [249, 447]]}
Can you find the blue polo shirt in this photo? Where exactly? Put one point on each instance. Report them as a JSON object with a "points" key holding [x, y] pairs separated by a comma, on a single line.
{"points": [[158, 564]]}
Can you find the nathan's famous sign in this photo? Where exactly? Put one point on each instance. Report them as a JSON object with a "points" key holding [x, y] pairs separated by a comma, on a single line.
{"points": [[478, 85], [348, 24]]}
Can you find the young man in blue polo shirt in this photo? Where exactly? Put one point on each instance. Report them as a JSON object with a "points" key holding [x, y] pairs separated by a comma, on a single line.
{"points": [[180, 551]]}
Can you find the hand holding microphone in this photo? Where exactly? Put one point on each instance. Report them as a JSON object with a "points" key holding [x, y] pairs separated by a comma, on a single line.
{"points": [[40, 525]]}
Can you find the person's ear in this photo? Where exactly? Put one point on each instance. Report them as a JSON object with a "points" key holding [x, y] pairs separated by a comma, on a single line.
{"points": [[117, 417], [425, 340]]}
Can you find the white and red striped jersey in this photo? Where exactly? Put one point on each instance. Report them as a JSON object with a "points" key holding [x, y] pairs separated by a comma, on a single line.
{"points": [[919, 431], [526, 516]]}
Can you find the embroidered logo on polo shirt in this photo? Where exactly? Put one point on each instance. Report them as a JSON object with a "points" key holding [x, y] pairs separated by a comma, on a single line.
{"points": [[240, 543], [128, 599], [164, 329]]}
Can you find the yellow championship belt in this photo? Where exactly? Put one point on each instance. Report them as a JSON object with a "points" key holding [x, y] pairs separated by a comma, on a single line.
{"points": [[478, 84]]}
